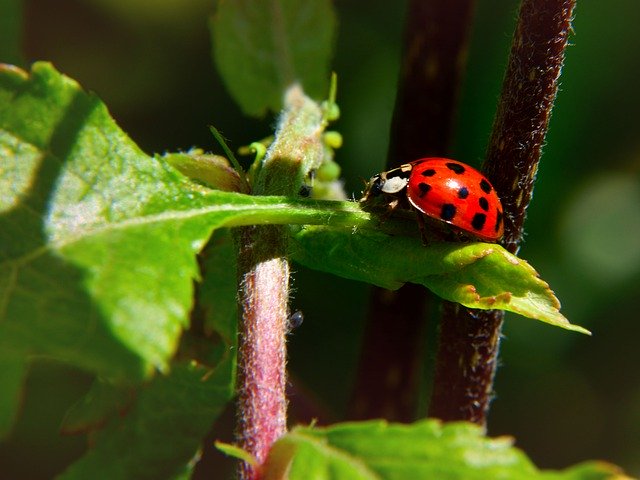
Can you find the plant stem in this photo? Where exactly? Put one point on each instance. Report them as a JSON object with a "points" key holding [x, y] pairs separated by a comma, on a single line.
{"points": [[469, 339], [264, 291], [264, 283], [522, 119], [434, 58]]}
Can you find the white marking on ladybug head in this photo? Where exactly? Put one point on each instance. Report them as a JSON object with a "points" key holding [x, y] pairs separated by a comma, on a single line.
{"points": [[394, 184]]}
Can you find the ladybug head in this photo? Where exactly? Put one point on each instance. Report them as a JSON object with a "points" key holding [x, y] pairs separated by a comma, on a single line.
{"points": [[374, 186], [384, 183]]}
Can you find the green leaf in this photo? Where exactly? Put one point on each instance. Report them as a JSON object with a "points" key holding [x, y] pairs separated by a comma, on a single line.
{"points": [[261, 48], [212, 171], [103, 401], [13, 371], [98, 239], [377, 450], [160, 436], [217, 293], [96, 269], [188, 399], [477, 275], [236, 452]]}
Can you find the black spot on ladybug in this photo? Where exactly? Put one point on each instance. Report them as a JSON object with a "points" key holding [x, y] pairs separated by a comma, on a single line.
{"points": [[448, 211], [478, 221], [463, 192], [429, 172], [455, 167], [498, 219], [484, 204], [424, 189], [485, 186]]}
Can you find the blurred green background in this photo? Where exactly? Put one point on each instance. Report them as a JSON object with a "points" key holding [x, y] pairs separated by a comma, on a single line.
{"points": [[563, 396]]}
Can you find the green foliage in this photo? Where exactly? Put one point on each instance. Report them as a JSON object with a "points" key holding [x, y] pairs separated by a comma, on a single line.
{"points": [[262, 48], [212, 171], [98, 263], [105, 237], [98, 245], [427, 449], [477, 275], [162, 432], [97, 252], [13, 369], [217, 303], [100, 404], [236, 452]]}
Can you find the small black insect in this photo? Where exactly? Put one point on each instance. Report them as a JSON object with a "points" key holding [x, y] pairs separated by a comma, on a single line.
{"points": [[295, 320]]}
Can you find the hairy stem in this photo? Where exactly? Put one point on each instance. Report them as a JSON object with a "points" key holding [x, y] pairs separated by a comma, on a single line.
{"points": [[469, 339], [264, 291], [434, 57], [522, 119]]}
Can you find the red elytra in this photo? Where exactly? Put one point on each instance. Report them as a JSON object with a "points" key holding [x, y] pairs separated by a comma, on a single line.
{"points": [[446, 190]]}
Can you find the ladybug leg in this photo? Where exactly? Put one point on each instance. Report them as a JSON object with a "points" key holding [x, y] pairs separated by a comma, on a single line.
{"points": [[452, 235], [390, 207], [423, 229]]}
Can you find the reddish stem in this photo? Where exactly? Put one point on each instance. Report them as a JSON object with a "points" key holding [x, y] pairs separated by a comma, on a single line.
{"points": [[264, 291], [469, 339], [435, 52], [263, 294]]}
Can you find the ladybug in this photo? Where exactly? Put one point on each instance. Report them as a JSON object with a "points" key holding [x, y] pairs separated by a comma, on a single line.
{"points": [[446, 190]]}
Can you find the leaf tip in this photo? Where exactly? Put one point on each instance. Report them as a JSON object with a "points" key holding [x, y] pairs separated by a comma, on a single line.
{"points": [[579, 329], [236, 452]]}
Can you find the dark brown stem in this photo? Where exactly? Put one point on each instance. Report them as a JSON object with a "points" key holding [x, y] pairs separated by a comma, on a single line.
{"points": [[522, 119], [435, 52], [264, 290], [465, 364], [433, 64], [387, 379], [469, 339]]}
